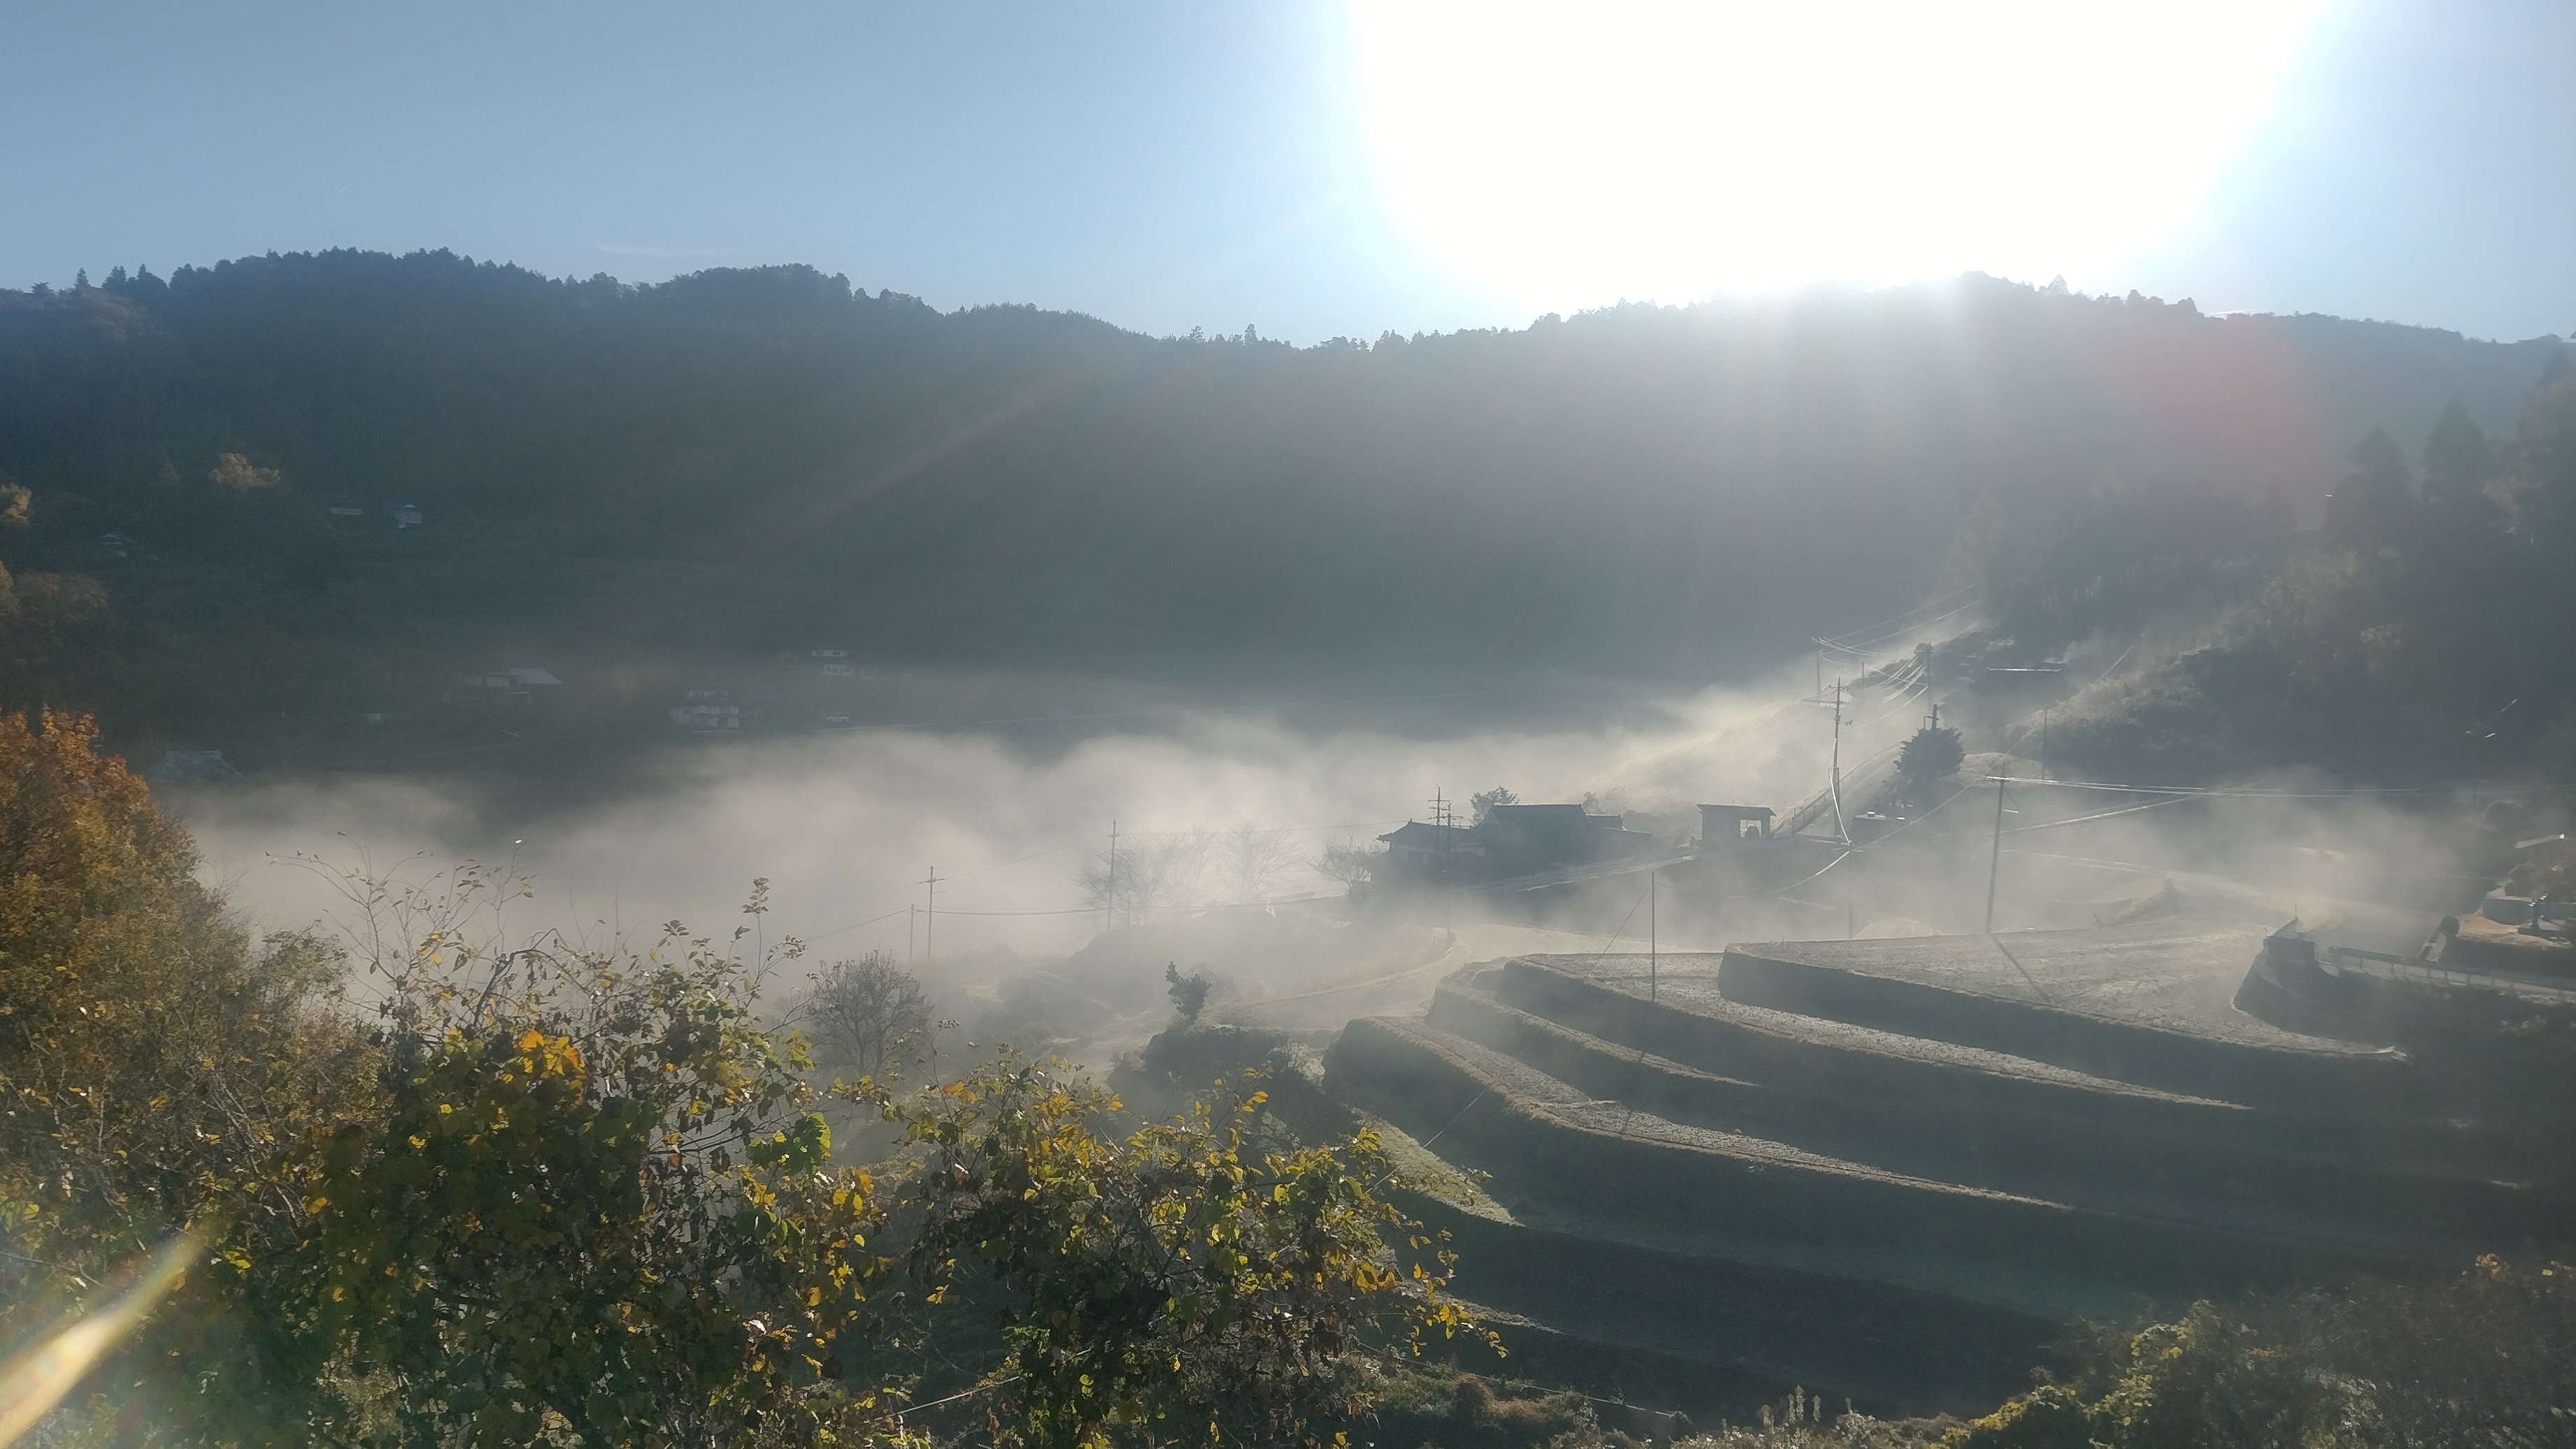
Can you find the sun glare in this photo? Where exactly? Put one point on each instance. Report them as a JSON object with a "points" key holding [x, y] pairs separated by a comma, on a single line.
{"points": [[1567, 155]]}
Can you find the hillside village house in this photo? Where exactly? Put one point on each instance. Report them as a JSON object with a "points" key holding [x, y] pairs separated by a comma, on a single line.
{"points": [[1514, 841], [517, 676], [707, 709], [520, 683]]}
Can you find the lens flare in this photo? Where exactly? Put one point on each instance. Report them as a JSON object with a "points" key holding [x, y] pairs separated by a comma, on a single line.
{"points": [[35, 1381]]}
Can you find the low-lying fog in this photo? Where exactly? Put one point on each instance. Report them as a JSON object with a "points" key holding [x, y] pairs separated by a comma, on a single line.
{"points": [[1236, 814]]}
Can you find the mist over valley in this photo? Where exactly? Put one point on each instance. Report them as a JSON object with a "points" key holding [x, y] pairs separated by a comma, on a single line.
{"points": [[1809, 843]]}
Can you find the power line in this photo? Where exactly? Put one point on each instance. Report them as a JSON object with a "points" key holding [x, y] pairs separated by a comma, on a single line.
{"points": [[1932, 603], [1994, 867], [854, 925], [1282, 829], [2201, 791], [2071, 820], [961, 875], [1066, 911]]}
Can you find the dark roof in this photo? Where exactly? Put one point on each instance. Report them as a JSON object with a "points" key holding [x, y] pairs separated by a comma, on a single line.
{"points": [[1560, 814], [1416, 835]]}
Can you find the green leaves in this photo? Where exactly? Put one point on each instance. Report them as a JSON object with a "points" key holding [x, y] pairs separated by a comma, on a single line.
{"points": [[1176, 1285], [568, 1193], [597, 1205]]}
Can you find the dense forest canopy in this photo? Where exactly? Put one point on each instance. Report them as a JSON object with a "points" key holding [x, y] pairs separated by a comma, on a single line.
{"points": [[2418, 636], [752, 459]]}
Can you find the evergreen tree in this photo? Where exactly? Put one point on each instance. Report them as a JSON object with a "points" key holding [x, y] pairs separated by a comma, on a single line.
{"points": [[2458, 463], [2370, 508], [1935, 753]]}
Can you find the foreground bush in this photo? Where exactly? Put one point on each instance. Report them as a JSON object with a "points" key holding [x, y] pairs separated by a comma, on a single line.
{"points": [[597, 1203], [159, 1071], [2488, 1359], [1173, 1286], [552, 1192]]}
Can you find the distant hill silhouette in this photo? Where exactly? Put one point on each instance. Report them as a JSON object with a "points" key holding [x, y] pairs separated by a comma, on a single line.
{"points": [[744, 457]]}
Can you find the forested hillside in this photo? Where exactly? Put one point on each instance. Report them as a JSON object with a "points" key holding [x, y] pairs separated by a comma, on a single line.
{"points": [[746, 461], [2419, 636]]}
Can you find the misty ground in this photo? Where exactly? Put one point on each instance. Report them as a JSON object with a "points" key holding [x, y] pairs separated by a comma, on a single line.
{"points": [[1009, 787]]}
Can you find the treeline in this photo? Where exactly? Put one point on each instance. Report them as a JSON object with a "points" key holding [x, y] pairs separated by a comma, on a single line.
{"points": [[745, 459]]}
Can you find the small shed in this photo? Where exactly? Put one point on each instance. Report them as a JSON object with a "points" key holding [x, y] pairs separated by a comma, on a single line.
{"points": [[707, 715], [1723, 825]]}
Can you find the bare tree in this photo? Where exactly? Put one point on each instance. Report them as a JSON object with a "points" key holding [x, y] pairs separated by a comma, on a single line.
{"points": [[1152, 872], [1256, 861], [870, 1016], [1349, 862], [1126, 885]]}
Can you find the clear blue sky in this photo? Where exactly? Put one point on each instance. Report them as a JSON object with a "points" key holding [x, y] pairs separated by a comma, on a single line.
{"points": [[1170, 165]]}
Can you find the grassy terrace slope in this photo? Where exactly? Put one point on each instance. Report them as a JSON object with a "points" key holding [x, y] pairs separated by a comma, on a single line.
{"points": [[2015, 1169]]}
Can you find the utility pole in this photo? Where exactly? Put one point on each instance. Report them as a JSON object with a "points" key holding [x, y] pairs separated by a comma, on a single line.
{"points": [[2479, 734], [1994, 864], [2043, 744], [930, 919], [911, 929], [1842, 829], [1109, 897], [1444, 823], [1652, 961]]}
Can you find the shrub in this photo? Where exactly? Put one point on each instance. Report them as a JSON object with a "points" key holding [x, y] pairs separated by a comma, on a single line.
{"points": [[2486, 1359], [158, 1071], [1171, 1286]]}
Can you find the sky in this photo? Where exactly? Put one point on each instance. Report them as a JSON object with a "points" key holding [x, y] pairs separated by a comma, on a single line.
{"points": [[1333, 167]]}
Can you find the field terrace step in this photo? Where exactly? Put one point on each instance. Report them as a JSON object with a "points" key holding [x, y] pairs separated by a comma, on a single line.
{"points": [[1744, 1332], [2151, 1004], [2193, 1163], [1695, 1019], [1554, 1148]]}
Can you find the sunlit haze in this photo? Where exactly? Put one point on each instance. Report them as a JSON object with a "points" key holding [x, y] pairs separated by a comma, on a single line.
{"points": [[1564, 155], [1338, 166], [1521, 724]]}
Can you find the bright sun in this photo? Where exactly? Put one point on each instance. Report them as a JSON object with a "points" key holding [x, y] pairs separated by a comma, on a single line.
{"points": [[1569, 154]]}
